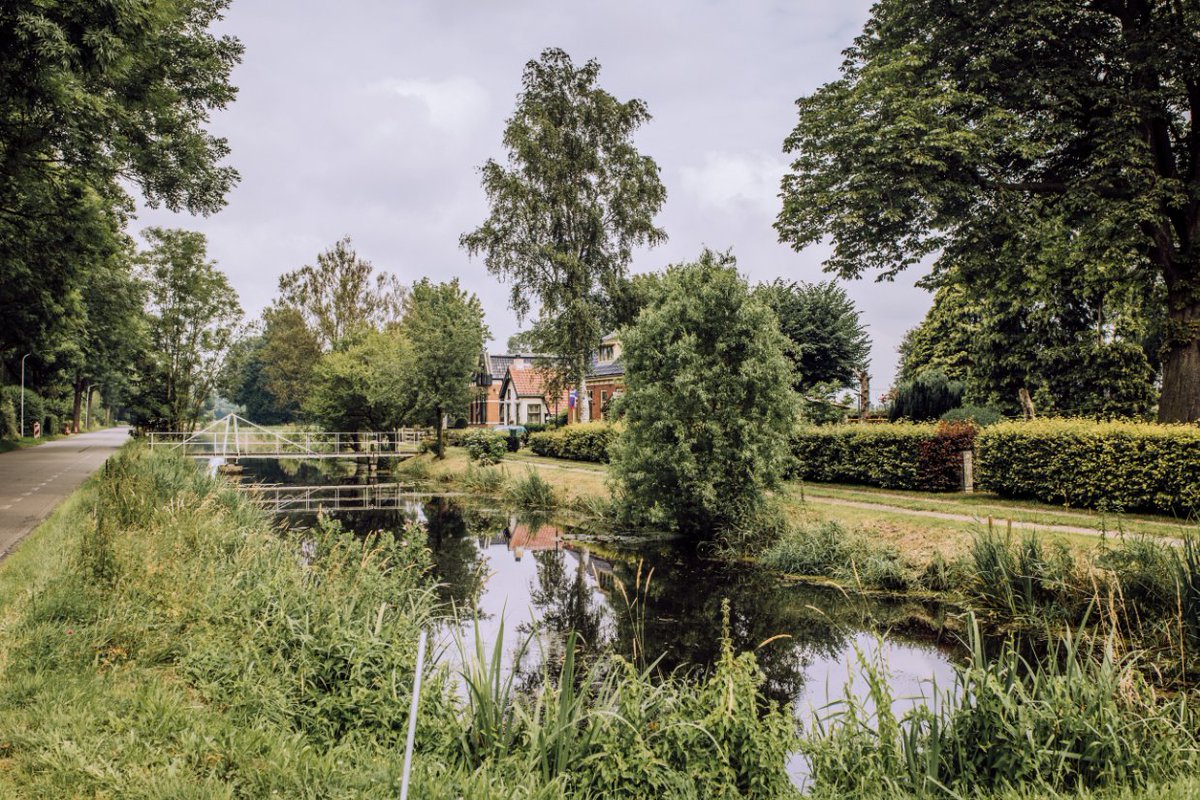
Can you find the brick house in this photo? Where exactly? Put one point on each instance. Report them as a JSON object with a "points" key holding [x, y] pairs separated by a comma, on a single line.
{"points": [[484, 409], [606, 378], [524, 398]]}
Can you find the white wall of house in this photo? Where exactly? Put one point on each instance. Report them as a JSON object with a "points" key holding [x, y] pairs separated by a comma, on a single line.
{"points": [[520, 410]]}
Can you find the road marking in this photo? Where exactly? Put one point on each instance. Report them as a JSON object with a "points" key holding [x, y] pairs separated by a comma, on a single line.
{"points": [[5, 508]]}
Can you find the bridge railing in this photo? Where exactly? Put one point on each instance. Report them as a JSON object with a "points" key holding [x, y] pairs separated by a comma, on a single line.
{"points": [[298, 444]]}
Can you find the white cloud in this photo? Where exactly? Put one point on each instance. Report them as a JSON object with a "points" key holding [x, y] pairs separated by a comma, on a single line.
{"points": [[453, 104], [732, 180]]}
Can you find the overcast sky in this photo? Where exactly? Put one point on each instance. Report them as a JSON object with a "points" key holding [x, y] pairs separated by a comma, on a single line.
{"points": [[371, 118]]}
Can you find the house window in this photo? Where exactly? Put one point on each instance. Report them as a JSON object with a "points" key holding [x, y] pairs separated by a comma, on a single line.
{"points": [[535, 413], [606, 353]]}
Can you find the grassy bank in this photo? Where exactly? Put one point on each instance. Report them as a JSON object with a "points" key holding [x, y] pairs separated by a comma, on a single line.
{"points": [[161, 639]]}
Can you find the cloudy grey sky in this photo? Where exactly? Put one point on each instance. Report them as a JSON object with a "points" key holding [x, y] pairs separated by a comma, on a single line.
{"points": [[371, 118]]}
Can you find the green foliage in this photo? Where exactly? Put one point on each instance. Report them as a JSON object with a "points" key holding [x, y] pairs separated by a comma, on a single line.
{"points": [[926, 397], [980, 416], [485, 447], [8, 418], [341, 297], [586, 442], [483, 480], [828, 343], [1115, 466], [1060, 185], [1064, 724], [707, 406], [829, 550], [532, 492], [193, 312], [361, 387], [567, 211], [898, 455], [35, 408], [443, 326], [1026, 577], [290, 351]]}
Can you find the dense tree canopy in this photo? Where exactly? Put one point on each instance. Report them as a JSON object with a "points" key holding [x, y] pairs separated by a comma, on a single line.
{"points": [[193, 316], [444, 328], [567, 210], [1002, 137], [708, 403], [828, 343], [342, 295]]}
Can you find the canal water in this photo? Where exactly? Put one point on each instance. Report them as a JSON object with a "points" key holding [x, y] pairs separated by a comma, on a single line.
{"points": [[540, 578]]}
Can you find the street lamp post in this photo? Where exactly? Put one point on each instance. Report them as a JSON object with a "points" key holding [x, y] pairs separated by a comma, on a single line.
{"points": [[21, 432]]}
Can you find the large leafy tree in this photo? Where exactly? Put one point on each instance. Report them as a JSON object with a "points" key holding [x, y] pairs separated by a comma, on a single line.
{"points": [[828, 343], [341, 296], [100, 91], [361, 386], [573, 201], [991, 136], [445, 331], [193, 317], [708, 403]]}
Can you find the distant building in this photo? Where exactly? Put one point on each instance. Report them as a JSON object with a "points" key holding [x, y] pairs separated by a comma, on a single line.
{"points": [[524, 398], [606, 378], [485, 407]]}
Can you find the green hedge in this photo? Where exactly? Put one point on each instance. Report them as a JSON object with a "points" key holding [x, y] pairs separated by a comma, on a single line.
{"points": [[35, 408], [898, 455], [584, 442], [1115, 466]]}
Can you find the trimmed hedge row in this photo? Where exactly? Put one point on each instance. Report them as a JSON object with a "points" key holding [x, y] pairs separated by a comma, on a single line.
{"points": [[1115, 466], [584, 442], [899, 455]]}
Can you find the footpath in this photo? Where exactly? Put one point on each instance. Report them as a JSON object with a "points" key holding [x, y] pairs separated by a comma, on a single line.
{"points": [[34, 480]]}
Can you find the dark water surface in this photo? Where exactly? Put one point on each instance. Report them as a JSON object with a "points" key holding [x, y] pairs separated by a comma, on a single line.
{"points": [[545, 578]]}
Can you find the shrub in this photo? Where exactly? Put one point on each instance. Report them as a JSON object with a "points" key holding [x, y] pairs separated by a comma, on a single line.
{"points": [[982, 416], [902, 455], [585, 442], [926, 397], [52, 425], [35, 407], [1115, 466], [485, 447], [8, 419]]}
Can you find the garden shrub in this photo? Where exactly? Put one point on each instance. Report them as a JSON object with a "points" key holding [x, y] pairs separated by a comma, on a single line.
{"points": [[485, 447], [900, 455], [8, 419], [585, 442], [1113, 466], [35, 407], [980, 415]]}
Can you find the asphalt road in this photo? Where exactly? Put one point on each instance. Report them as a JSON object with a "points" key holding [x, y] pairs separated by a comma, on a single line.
{"points": [[36, 479]]}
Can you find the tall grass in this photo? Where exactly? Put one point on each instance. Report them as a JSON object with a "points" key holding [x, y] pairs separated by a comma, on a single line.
{"points": [[483, 480], [1026, 577], [532, 492], [1059, 725], [829, 549], [220, 657]]}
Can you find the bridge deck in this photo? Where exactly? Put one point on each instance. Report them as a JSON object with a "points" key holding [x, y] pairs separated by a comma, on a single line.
{"points": [[234, 438]]}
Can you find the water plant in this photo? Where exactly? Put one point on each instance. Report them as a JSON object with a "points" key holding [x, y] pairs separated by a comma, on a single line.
{"points": [[1061, 724], [829, 549], [532, 491], [483, 480]]}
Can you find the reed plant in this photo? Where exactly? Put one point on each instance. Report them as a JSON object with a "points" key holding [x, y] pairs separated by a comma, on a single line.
{"points": [[483, 480], [532, 492], [1067, 723], [831, 550]]}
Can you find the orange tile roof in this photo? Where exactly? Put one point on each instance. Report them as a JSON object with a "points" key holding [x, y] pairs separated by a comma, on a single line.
{"points": [[546, 537], [528, 382]]}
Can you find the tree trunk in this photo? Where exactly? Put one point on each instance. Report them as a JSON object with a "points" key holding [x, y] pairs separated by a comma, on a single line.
{"points": [[440, 447], [583, 405], [1180, 399], [78, 407]]}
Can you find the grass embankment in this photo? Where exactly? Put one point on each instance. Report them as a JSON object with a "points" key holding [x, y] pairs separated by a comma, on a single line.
{"points": [[160, 638]]}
